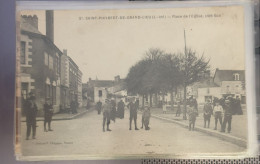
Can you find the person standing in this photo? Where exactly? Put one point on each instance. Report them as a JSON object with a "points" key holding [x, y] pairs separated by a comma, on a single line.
{"points": [[178, 112], [192, 111], [218, 112], [164, 107], [48, 112], [99, 106], [121, 109], [207, 109], [133, 114], [31, 110], [73, 106], [227, 116], [238, 106], [113, 110], [146, 117], [106, 114]]}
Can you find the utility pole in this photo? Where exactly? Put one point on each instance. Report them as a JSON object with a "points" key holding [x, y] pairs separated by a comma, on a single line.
{"points": [[184, 86]]}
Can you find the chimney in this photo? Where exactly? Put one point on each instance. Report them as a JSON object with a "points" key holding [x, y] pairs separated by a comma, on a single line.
{"points": [[49, 25], [117, 78], [32, 20], [65, 52]]}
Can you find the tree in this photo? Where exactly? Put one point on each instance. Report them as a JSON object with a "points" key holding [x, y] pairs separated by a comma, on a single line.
{"points": [[192, 68], [170, 74], [143, 76]]}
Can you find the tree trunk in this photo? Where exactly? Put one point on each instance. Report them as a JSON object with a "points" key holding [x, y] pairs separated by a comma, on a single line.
{"points": [[185, 103], [156, 99], [143, 101], [151, 100], [172, 103]]}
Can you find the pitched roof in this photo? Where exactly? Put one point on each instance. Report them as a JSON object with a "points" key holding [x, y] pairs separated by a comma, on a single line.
{"points": [[228, 75], [27, 28], [102, 83]]}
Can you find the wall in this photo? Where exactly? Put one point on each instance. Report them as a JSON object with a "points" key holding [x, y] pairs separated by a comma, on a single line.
{"points": [[96, 96], [213, 91]]}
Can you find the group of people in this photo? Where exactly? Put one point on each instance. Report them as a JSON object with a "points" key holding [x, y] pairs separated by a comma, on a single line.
{"points": [[221, 110], [31, 109], [110, 112]]}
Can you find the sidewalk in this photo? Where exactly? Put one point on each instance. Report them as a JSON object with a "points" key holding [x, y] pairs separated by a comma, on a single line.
{"points": [[238, 133], [64, 116]]}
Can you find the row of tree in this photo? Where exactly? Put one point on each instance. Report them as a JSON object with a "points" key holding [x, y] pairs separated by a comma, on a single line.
{"points": [[161, 73]]}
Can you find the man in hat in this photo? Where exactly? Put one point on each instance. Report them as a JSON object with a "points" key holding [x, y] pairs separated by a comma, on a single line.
{"points": [[207, 109], [48, 112], [227, 116], [73, 106], [178, 112], [106, 114], [120, 109], [113, 110], [133, 114], [99, 106], [31, 112]]}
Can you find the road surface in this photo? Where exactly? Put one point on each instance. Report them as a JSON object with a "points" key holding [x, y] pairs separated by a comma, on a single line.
{"points": [[84, 136]]}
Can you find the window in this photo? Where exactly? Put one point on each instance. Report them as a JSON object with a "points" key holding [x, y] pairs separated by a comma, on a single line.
{"points": [[46, 59], [227, 89], [236, 76], [23, 55], [57, 64], [24, 90], [50, 62], [100, 93]]}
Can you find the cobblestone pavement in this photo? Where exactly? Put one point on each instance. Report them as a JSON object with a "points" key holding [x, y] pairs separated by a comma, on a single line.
{"points": [[84, 136]]}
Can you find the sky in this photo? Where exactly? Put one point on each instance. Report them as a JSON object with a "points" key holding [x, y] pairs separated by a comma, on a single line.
{"points": [[105, 48]]}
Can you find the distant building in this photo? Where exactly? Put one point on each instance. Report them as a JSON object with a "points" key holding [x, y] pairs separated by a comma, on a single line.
{"points": [[80, 100], [223, 83], [231, 82], [99, 90], [65, 99]]}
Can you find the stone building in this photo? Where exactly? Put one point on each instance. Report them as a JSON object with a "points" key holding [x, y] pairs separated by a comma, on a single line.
{"points": [[39, 61]]}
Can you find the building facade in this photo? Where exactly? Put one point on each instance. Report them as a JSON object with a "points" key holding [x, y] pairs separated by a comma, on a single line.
{"points": [[44, 69], [39, 64]]}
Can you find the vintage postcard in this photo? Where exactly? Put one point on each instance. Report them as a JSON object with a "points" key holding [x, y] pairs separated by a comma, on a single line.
{"points": [[132, 83]]}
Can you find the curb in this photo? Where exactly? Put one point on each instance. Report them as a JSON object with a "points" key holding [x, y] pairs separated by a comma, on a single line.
{"points": [[63, 118], [235, 140]]}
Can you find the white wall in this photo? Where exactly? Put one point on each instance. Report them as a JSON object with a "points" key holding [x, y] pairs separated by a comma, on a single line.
{"points": [[213, 91]]}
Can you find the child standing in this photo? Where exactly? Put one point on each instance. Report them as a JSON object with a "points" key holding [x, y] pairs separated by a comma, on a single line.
{"points": [[146, 117], [192, 111]]}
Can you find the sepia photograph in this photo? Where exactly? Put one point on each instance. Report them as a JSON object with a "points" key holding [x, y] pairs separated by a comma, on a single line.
{"points": [[131, 83]]}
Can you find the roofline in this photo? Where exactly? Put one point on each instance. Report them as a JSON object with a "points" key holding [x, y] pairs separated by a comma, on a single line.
{"points": [[43, 37], [225, 70]]}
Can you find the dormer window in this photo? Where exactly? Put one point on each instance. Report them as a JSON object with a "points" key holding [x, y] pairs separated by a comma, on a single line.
{"points": [[236, 76]]}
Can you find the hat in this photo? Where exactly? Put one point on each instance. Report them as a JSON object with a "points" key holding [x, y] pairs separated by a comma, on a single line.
{"points": [[227, 100]]}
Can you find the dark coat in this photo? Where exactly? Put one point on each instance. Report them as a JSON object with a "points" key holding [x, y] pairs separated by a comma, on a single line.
{"points": [[31, 110], [48, 111], [207, 110], [133, 109]]}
